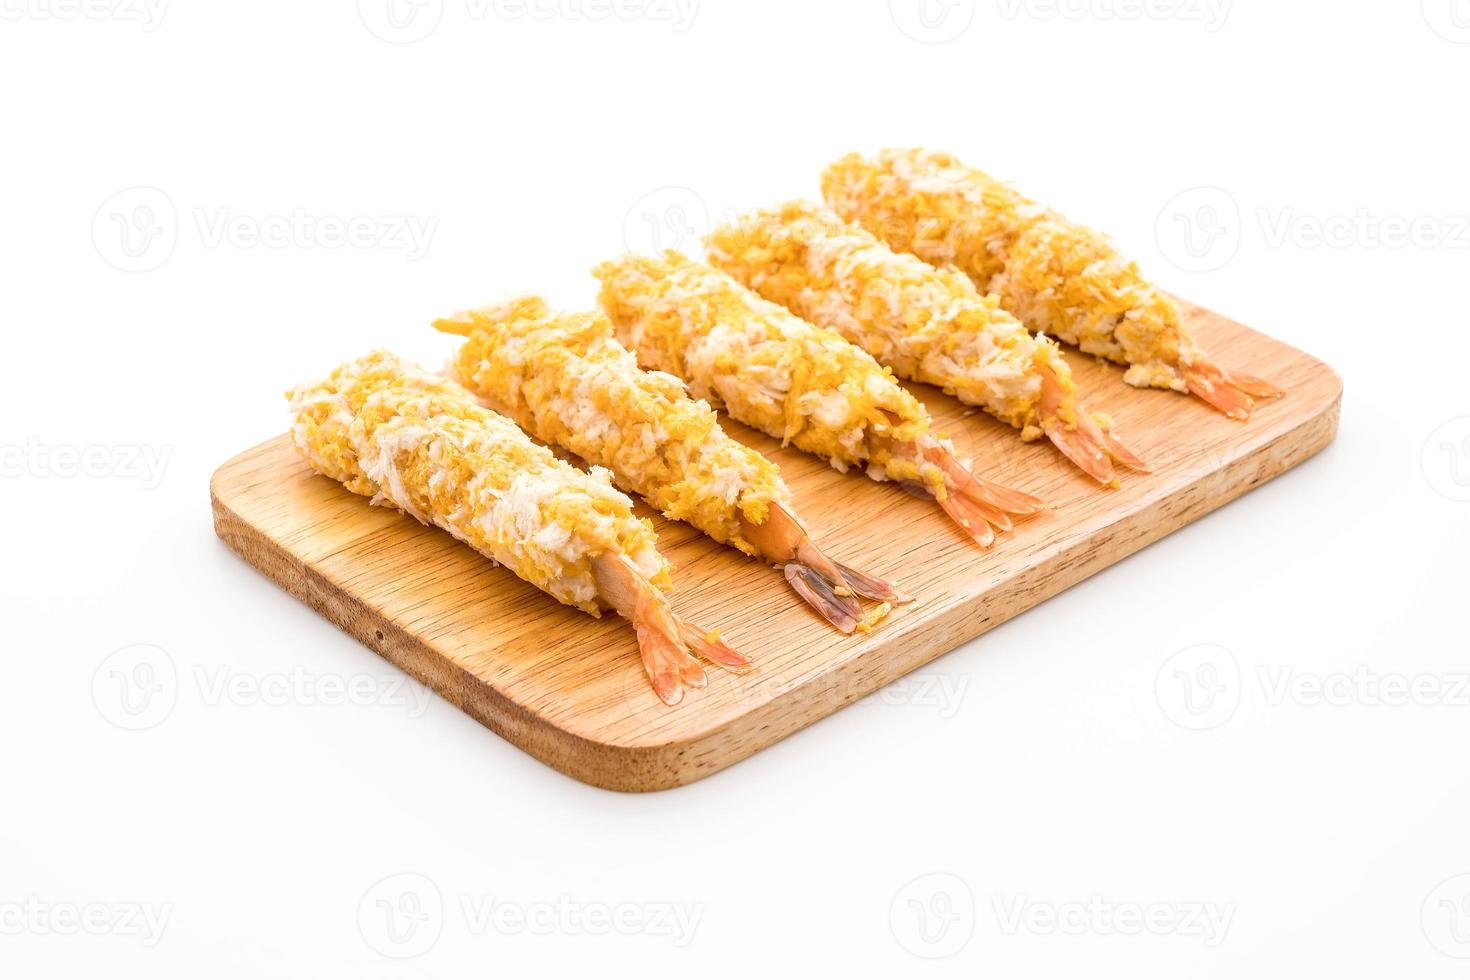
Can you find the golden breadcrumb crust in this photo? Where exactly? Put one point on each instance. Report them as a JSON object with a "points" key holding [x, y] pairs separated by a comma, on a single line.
{"points": [[1057, 276], [567, 380], [420, 443], [927, 324], [772, 370]]}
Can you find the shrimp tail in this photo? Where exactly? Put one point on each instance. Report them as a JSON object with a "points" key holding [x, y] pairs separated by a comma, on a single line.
{"points": [[709, 646], [820, 592], [1091, 458], [869, 587], [670, 667], [1091, 446], [1256, 387], [1230, 392], [973, 517], [992, 496], [1100, 430], [978, 506], [829, 588]]}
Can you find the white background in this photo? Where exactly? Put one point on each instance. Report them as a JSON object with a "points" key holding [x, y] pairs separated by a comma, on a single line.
{"points": [[1048, 770]]}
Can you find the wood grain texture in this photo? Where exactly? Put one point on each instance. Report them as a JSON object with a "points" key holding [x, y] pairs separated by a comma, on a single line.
{"points": [[569, 689]]}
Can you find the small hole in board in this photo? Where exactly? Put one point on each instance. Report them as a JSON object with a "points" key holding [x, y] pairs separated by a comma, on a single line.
{"points": [[378, 634]]}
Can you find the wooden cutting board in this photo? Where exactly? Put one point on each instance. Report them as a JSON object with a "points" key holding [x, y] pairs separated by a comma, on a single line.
{"points": [[569, 689]]}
